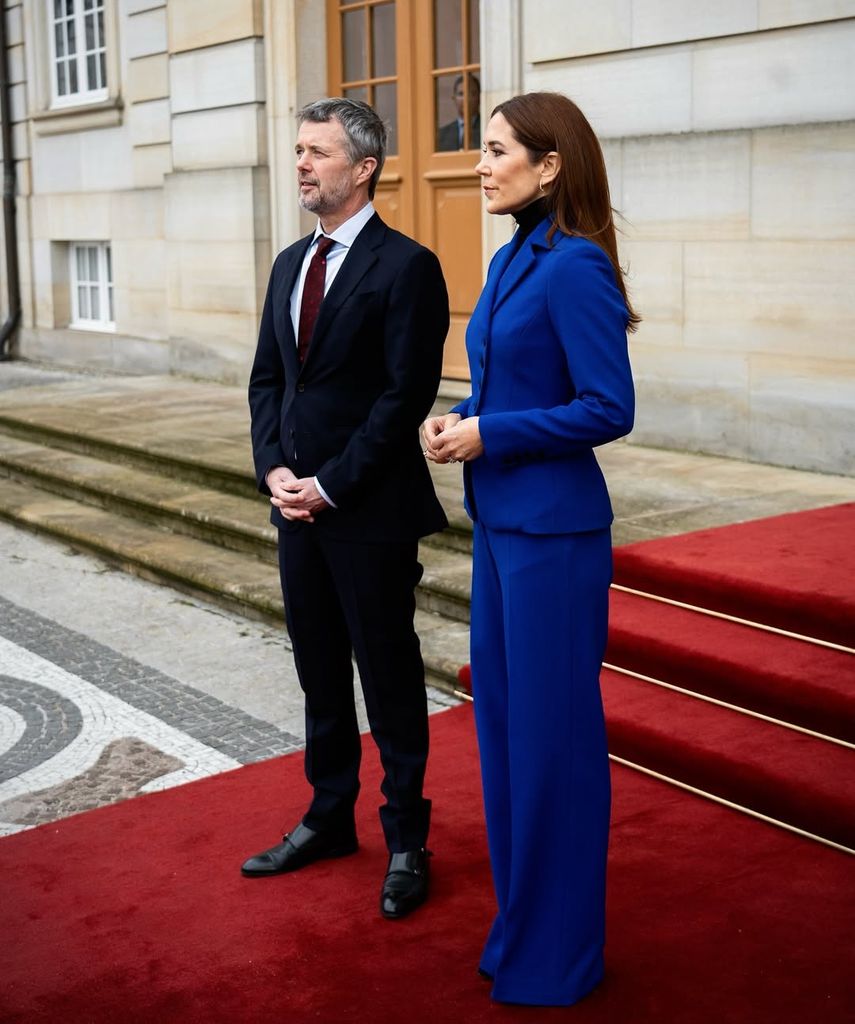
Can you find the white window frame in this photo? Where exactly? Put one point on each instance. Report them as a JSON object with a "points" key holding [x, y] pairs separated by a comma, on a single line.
{"points": [[100, 287], [78, 18]]}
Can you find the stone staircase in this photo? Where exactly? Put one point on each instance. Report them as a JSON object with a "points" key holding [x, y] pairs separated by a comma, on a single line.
{"points": [[163, 488]]}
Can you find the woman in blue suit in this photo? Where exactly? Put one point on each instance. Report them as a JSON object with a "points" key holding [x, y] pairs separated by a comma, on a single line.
{"points": [[550, 381]]}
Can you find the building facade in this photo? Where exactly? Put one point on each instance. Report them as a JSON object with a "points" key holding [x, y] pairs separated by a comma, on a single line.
{"points": [[153, 146]]}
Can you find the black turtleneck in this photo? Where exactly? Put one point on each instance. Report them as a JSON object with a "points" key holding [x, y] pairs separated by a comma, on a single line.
{"points": [[529, 217]]}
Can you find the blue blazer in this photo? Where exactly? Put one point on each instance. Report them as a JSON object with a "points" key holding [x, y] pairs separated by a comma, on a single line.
{"points": [[551, 380]]}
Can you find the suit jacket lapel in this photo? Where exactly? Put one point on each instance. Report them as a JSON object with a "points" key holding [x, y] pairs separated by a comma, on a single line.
{"points": [[521, 263], [282, 311], [357, 262]]}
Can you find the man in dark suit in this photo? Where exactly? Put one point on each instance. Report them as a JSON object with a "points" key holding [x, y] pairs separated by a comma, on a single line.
{"points": [[452, 135], [348, 364]]}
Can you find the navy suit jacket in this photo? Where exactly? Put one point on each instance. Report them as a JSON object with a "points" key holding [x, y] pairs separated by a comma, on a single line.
{"points": [[350, 414], [550, 381]]}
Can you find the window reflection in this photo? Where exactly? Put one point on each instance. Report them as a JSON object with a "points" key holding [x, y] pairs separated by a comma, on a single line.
{"points": [[458, 117]]}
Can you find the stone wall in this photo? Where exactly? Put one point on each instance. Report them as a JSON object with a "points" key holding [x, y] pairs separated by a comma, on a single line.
{"points": [[729, 133], [171, 170]]}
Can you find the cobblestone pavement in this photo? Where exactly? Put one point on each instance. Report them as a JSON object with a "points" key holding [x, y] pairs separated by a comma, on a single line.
{"points": [[111, 686]]}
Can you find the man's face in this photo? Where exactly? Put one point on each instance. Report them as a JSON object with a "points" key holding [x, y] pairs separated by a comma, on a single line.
{"points": [[325, 176], [474, 98]]}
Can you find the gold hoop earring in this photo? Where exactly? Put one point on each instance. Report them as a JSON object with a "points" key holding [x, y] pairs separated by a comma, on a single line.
{"points": [[540, 183]]}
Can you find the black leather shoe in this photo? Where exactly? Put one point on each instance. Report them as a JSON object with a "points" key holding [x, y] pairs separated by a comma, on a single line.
{"points": [[298, 848], [405, 886]]}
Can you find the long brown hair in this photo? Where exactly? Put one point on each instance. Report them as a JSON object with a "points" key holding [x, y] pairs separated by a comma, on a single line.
{"points": [[578, 198]]}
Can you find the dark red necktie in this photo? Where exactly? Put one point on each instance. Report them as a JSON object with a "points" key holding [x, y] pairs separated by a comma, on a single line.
{"points": [[313, 294]]}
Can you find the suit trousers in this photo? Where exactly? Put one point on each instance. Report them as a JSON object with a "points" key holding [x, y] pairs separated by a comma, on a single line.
{"points": [[343, 598], [538, 635]]}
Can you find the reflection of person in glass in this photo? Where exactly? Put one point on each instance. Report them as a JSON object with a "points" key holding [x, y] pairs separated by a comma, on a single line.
{"points": [[452, 136], [550, 381]]}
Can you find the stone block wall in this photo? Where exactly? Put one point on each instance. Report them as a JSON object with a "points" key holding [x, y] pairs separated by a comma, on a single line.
{"points": [[171, 170]]}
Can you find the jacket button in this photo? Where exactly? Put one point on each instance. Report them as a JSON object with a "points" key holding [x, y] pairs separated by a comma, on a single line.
{"points": [[301, 387]]}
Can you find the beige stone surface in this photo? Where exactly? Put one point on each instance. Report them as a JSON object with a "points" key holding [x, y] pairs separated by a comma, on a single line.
{"points": [[197, 23], [792, 76], [226, 205], [804, 409], [774, 13], [210, 278], [209, 330], [136, 6], [225, 137], [217, 76], [613, 156], [655, 283], [151, 164], [688, 186], [88, 161], [72, 216], [691, 400], [771, 297], [811, 164], [148, 78], [656, 22], [141, 312], [146, 32], [150, 122], [139, 264], [557, 29], [626, 94], [137, 214]]}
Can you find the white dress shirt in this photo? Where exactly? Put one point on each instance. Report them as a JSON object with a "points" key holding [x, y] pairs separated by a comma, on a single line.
{"points": [[344, 236]]}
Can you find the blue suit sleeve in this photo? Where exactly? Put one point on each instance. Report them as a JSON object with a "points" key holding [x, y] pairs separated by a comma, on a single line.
{"points": [[589, 317]]}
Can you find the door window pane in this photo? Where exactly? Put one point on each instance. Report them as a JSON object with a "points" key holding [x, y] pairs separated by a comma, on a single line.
{"points": [[474, 32], [358, 92], [450, 133], [383, 40], [353, 40], [386, 105], [447, 29]]}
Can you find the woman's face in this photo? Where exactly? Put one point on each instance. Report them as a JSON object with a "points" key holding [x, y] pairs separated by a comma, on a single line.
{"points": [[509, 179]]}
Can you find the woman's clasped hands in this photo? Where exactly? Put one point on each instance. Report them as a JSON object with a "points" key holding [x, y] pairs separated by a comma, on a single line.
{"points": [[450, 438]]}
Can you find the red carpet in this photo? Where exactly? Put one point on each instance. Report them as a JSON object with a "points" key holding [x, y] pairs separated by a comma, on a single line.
{"points": [[795, 571], [137, 913]]}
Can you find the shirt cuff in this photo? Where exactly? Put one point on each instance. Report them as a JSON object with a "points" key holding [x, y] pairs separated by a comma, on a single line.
{"points": [[324, 494]]}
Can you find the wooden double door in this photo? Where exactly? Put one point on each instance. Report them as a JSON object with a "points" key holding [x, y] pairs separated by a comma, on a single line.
{"points": [[417, 62]]}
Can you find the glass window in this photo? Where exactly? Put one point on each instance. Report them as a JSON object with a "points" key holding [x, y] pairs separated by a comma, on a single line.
{"points": [[383, 40], [447, 36], [78, 57], [457, 86], [369, 61], [353, 42], [92, 286], [386, 105]]}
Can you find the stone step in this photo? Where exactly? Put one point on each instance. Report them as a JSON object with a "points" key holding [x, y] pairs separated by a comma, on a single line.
{"points": [[225, 520], [184, 506], [233, 579], [184, 461]]}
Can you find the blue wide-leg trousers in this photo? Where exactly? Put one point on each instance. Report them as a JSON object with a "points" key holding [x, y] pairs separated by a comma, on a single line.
{"points": [[538, 635]]}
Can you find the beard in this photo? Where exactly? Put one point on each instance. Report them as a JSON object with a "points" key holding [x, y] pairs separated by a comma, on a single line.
{"points": [[326, 199]]}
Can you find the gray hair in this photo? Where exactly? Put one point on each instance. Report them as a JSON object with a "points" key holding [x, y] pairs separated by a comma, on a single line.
{"points": [[365, 133]]}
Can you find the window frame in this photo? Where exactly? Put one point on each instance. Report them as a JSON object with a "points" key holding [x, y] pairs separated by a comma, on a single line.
{"points": [[82, 96], [104, 283]]}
